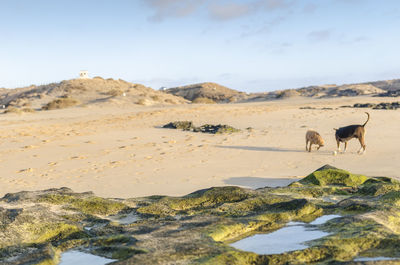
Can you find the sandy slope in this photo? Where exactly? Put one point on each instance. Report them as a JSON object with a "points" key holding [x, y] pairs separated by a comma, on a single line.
{"points": [[121, 152]]}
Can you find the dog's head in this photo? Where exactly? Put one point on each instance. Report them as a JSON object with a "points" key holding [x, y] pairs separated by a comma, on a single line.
{"points": [[318, 140], [321, 141]]}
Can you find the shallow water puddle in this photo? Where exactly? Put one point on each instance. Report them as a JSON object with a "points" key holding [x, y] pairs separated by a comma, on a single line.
{"points": [[289, 238], [74, 257], [88, 228], [323, 219], [125, 220], [374, 259]]}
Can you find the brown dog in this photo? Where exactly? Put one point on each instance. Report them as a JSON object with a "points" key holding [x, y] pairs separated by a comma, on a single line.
{"points": [[314, 138], [347, 133]]}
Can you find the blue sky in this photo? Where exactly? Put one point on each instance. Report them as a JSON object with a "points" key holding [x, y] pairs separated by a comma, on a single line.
{"points": [[249, 45]]}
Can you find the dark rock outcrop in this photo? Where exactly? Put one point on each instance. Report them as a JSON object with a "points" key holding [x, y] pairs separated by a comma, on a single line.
{"points": [[383, 105], [206, 128]]}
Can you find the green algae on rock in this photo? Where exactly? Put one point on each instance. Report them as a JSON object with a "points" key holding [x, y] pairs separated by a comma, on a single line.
{"points": [[183, 125], [332, 176], [35, 227], [206, 128]]}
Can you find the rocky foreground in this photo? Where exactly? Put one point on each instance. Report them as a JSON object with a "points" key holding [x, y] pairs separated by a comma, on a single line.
{"points": [[36, 227]]}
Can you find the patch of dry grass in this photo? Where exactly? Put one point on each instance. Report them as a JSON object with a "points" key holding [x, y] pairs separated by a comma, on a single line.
{"points": [[115, 92], [19, 110], [155, 97], [60, 103], [201, 100], [142, 101]]}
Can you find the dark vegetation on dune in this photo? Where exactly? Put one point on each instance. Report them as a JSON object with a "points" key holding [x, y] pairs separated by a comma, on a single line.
{"points": [[383, 105], [36, 226]]}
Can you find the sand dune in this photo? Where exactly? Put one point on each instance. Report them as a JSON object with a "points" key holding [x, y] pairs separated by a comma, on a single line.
{"points": [[87, 92]]}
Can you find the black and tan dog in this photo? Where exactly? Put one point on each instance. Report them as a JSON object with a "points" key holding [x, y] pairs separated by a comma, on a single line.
{"points": [[347, 133]]}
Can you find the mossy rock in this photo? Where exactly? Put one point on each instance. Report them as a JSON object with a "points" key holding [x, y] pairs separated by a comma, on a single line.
{"points": [[216, 129], [392, 198], [234, 258], [299, 210], [197, 228], [252, 204], [212, 197], [53, 232], [117, 252], [44, 254], [379, 186], [89, 205], [339, 177], [183, 125], [196, 201], [206, 128], [310, 191]]}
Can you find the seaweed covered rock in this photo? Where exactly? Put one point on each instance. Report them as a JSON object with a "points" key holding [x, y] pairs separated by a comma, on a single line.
{"points": [[333, 176], [379, 185], [216, 129], [206, 128], [37, 226], [183, 125], [197, 201]]}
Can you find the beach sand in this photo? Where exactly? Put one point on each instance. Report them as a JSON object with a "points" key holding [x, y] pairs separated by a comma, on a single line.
{"points": [[123, 152]]}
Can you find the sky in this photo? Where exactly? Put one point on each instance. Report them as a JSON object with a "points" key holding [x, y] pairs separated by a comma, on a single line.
{"points": [[248, 45]]}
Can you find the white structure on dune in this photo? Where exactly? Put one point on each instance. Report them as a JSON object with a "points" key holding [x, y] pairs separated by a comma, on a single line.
{"points": [[83, 74]]}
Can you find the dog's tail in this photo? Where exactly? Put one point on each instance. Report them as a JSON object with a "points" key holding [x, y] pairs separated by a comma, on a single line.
{"points": [[367, 119], [335, 129]]}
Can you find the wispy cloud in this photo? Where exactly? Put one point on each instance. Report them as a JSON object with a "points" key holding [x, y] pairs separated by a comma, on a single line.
{"points": [[173, 8], [214, 9], [263, 28], [310, 8], [361, 39], [227, 11], [320, 35], [274, 4]]}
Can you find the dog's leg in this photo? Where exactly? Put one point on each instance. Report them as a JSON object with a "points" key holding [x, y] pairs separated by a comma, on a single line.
{"points": [[362, 143], [345, 147], [306, 144], [309, 150], [338, 145]]}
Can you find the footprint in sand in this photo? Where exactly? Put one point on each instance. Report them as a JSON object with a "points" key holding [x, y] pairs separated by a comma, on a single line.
{"points": [[189, 138], [30, 146], [25, 170], [77, 157]]}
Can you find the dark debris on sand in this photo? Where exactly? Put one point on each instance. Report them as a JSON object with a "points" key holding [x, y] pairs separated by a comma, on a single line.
{"points": [[206, 128]]}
